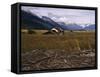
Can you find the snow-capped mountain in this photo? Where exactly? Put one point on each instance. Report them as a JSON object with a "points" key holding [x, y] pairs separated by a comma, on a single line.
{"points": [[31, 20], [90, 27]]}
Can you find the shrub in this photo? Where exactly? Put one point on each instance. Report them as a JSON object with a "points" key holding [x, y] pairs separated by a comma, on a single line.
{"points": [[31, 32]]}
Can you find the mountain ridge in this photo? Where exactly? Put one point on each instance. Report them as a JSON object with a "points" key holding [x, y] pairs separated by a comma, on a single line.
{"points": [[32, 21]]}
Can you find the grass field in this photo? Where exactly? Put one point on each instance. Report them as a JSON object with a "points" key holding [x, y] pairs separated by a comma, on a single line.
{"points": [[71, 41], [57, 51]]}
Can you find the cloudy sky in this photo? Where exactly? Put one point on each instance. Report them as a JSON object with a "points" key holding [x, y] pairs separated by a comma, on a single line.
{"points": [[64, 15]]}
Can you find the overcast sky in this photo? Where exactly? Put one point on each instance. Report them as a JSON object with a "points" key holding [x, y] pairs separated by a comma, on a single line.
{"points": [[64, 15]]}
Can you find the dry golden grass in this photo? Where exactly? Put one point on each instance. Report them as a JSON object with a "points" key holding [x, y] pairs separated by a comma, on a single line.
{"points": [[71, 50], [70, 41]]}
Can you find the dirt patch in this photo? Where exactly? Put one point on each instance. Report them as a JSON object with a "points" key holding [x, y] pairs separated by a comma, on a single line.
{"points": [[39, 59]]}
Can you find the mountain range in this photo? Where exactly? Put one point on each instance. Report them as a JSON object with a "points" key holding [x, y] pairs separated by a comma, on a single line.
{"points": [[32, 21]]}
